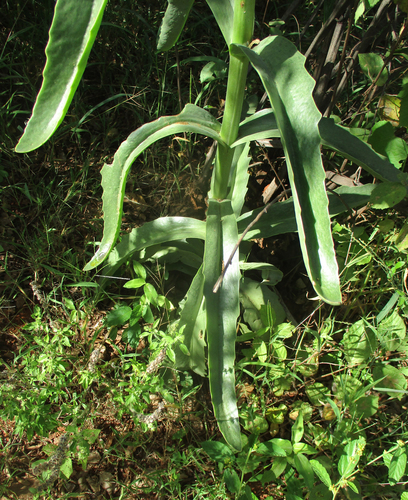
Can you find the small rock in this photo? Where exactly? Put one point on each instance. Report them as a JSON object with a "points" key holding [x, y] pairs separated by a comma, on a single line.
{"points": [[94, 484], [107, 482]]}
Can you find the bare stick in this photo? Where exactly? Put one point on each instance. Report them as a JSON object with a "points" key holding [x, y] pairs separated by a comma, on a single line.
{"points": [[265, 209]]}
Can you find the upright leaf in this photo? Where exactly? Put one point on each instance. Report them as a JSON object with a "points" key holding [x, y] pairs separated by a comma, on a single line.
{"points": [[222, 313], [290, 87], [223, 11], [72, 34]]}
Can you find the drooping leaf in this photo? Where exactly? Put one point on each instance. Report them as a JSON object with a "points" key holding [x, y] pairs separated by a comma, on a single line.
{"points": [[340, 139], [290, 87], [261, 125], [191, 119], [173, 23], [72, 34], [280, 217], [152, 233], [222, 313]]}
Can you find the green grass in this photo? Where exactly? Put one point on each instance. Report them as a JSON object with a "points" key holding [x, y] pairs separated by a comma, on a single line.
{"points": [[140, 425]]}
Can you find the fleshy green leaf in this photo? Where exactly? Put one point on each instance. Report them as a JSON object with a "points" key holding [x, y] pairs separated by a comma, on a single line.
{"points": [[191, 119], [290, 87], [223, 11], [72, 34], [193, 324], [173, 23], [152, 233], [340, 139], [222, 313]]}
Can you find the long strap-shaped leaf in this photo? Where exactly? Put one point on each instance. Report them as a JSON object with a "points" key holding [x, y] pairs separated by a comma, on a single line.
{"points": [[193, 321], [222, 313], [173, 23], [289, 87], [191, 119], [152, 233], [72, 34], [280, 217], [262, 125], [223, 11], [340, 139]]}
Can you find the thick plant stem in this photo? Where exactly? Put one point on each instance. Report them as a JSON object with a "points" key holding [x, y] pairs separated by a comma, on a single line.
{"points": [[244, 12]]}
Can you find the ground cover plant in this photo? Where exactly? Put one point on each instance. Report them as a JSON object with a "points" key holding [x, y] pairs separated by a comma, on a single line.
{"points": [[268, 358]]}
